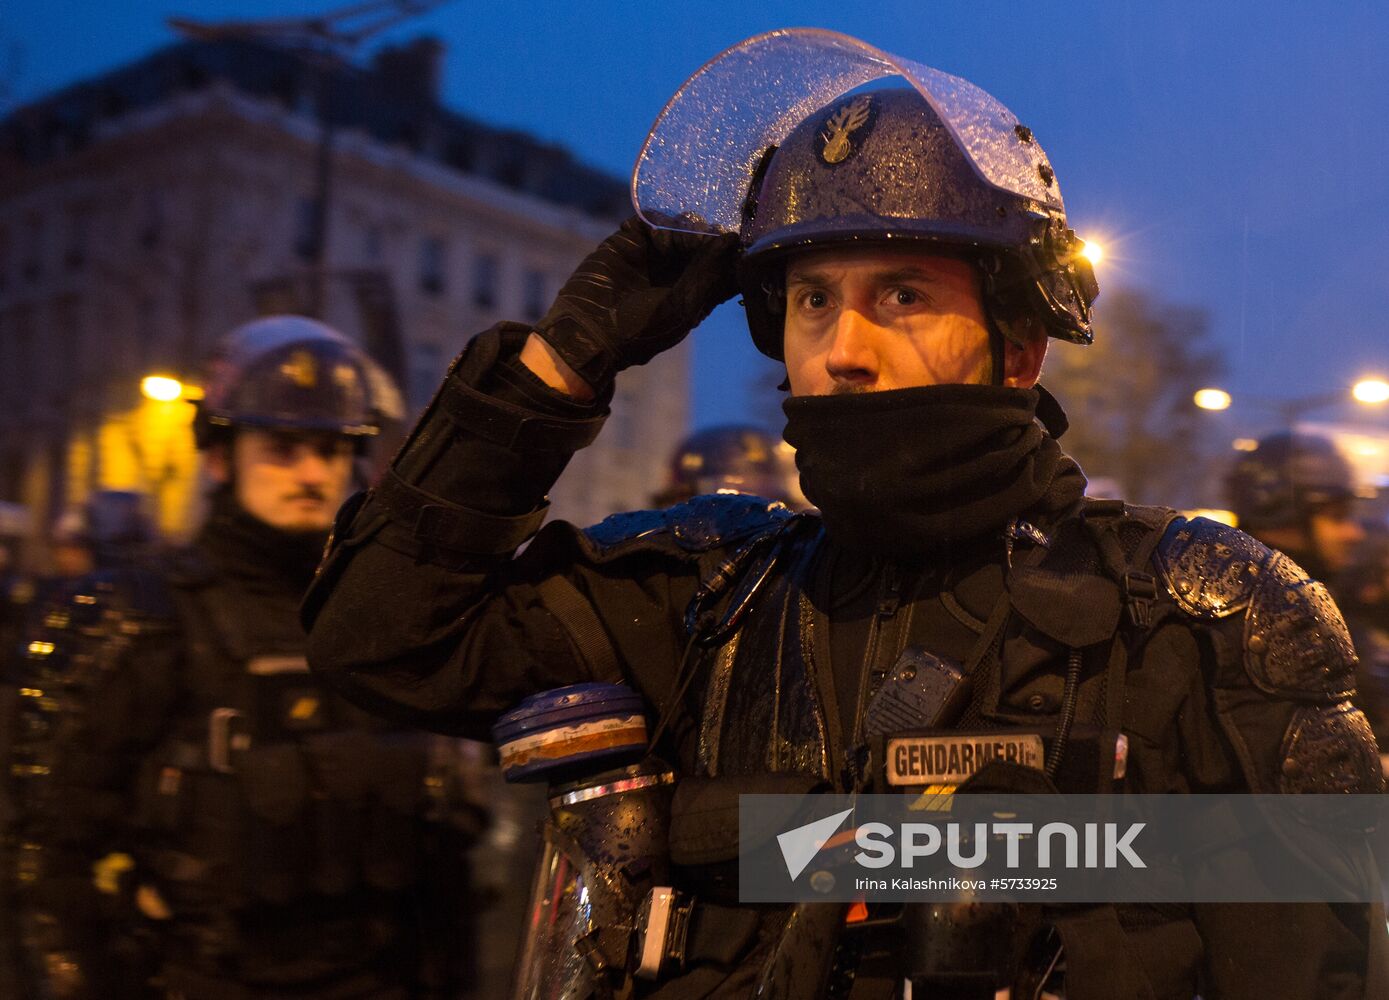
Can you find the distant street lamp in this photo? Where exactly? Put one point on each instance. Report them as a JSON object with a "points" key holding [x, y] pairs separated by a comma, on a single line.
{"points": [[161, 388], [1368, 391], [1212, 399], [1371, 391]]}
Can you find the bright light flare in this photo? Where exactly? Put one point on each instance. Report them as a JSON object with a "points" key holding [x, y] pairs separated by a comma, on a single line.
{"points": [[1211, 399], [1371, 391], [1092, 252], [161, 388]]}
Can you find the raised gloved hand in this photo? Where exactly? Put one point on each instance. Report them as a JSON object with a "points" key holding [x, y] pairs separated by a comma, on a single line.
{"points": [[638, 294]]}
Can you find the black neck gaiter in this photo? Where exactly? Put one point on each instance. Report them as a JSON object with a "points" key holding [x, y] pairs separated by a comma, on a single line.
{"points": [[245, 546], [907, 472]]}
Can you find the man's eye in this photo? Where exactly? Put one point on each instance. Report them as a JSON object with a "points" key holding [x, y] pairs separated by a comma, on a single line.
{"points": [[815, 300], [905, 297]]}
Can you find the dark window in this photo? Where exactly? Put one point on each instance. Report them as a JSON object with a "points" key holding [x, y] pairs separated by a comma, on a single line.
{"points": [[306, 228], [22, 333], [78, 234], [372, 241], [67, 340], [433, 259], [485, 281], [9, 357], [146, 333], [33, 248], [534, 300], [426, 369]]}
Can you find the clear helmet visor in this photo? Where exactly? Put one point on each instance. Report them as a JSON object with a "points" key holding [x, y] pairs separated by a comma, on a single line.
{"points": [[695, 168]]}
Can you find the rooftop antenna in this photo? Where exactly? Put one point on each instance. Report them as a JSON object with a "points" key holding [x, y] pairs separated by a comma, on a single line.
{"points": [[328, 39]]}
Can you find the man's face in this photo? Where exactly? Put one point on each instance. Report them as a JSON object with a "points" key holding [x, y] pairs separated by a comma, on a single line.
{"points": [[291, 480], [862, 319], [1335, 535]]}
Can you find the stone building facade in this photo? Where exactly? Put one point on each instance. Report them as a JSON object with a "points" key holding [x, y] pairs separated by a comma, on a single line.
{"points": [[146, 212]]}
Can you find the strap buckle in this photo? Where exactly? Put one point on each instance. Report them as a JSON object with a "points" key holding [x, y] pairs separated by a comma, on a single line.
{"points": [[1140, 594], [225, 736]]}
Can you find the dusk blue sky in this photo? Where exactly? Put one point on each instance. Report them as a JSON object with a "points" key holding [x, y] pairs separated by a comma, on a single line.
{"points": [[1230, 155]]}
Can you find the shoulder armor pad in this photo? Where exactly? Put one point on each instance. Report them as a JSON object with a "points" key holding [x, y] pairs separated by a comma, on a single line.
{"points": [[1295, 641], [1210, 570], [720, 518], [696, 525], [1329, 749], [628, 526]]}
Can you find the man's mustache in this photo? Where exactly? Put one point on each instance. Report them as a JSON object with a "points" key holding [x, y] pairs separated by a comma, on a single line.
{"points": [[308, 493]]}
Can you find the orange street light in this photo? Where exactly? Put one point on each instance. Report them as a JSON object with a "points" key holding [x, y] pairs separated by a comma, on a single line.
{"points": [[161, 388]]}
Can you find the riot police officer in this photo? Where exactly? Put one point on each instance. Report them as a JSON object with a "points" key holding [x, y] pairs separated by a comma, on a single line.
{"points": [[1296, 492], [730, 458], [266, 838], [905, 252], [59, 928]]}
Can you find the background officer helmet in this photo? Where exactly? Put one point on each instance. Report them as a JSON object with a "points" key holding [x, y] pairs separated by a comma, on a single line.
{"points": [[112, 525], [881, 168], [1285, 479], [294, 373], [732, 458]]}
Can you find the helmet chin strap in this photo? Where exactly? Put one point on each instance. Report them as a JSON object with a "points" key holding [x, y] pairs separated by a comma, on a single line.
{"points": [[995, 354]]}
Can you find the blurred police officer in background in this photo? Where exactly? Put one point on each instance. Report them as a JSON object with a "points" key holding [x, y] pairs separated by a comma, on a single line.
{"points": [[731, 458], [1296, 492], [61, 785], [263, 837]]}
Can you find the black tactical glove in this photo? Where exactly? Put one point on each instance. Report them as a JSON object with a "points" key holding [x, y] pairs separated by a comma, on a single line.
{"points": [[638, 294]]}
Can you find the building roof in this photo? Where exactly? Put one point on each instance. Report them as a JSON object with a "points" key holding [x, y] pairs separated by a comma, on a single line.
{"points": [[392, 109]]}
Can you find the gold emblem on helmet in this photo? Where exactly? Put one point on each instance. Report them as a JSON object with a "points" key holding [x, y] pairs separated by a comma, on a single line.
{"points": [[301, 369], [840, 125], [345, 376]]}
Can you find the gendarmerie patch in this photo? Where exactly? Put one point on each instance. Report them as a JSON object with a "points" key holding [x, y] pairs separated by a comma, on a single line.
{"points": [[949, 760]]}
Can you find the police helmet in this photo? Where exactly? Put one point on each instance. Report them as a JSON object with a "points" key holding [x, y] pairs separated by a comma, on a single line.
{"points": [[880, 168], [733, 458], [1285, 479], [294, 373], [109, 522], [937, 162]]}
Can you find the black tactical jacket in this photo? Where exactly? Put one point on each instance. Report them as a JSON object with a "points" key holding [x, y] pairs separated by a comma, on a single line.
{"points": [[1238, 670]]}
